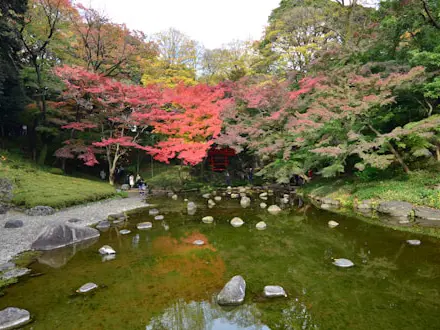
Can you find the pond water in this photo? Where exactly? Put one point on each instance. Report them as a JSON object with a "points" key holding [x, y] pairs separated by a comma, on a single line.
{"points": [[160, 280]]}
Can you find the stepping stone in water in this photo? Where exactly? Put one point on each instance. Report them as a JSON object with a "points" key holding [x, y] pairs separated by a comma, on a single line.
{"points": [[263, 205], [233, 292], [199, 242], [274, 291], [208, 219], [217, 198], [237, 222], [159, 217], [144, 225], [13, 317], [333, 224], [106, 249], [153, 212], [274, 209], [124, 232], [87, 288], [414, 242], [261, 225], [343, 263], [15, 272]]}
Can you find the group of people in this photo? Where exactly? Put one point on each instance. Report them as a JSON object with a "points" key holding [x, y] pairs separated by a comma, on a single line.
{"points": [[139, 182]]}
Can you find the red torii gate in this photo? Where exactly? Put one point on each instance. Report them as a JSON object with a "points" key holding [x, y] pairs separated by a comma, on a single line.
{"points": [[218, 159]]}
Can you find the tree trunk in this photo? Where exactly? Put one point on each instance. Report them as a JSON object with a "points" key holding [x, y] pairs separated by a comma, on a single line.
{"points": [[437, 152]]}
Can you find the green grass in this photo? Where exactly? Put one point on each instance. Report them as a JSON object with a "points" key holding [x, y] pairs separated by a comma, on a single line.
{"points": [[418, 187], [37, 186]]}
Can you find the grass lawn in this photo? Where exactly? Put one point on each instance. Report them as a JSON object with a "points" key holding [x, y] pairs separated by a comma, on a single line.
{"points": [[419, 187], [37, 186]]}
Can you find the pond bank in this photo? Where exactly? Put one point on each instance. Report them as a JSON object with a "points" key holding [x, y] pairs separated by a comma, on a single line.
{"points": [[16, 240]]}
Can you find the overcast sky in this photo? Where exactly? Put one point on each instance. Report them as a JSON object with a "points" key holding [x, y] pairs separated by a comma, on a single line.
{"points": [[212, 22]]}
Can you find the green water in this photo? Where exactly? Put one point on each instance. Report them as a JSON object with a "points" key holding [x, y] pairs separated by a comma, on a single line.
{"points": [[162, 281]]}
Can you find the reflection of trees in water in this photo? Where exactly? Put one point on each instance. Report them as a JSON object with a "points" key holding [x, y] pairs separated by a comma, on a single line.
{"points": [[204, 316]]}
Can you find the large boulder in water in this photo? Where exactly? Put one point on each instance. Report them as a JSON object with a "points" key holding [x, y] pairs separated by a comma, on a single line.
{"points": [[57, 236], [233, 292], [13, 317]]}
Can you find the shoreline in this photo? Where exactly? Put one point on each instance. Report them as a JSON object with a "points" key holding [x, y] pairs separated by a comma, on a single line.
{"points": [[17, 240]]}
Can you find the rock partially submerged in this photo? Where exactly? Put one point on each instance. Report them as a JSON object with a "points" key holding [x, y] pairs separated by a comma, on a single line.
{"points": [[333, 224], [427, 213], [237, 222], [159, 217], [245, 201], [124, 232], [274, 291], [106, 249], [208, 219], [144, 225], [414, 242], [274, 209], [233, 293], [199, 242], [343, 263], [56, 236], [87, 288], [395, 208], [217, 198], [263, 205], [261, 225], [153, 212], [13, 317]]}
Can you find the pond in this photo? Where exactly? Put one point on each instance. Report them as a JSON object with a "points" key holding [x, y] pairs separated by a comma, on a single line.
{"points": [[160, 280]]}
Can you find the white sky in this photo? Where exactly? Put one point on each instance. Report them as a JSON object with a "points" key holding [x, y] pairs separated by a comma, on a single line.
{"points": [[211, 22]]}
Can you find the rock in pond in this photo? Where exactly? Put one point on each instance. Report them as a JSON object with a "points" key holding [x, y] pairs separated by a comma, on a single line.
{"points": [[261, 225], [124, 232], [13, 317], [144, 225], [326, 206], [333, 224], [263, 205], [198, 242], [237, 222], [87, 287], [274, 291], [15, 272], [366, 204], [343, 263], [235, 196], [191, 206], [159, 217], [119, 216], [263, 195], [106, 249], [211, 202], [208, 219], [104, 224], [245, 201], [207, 196], [274, 209], [217, 198], [174, 197], [153, 212], [233, 293], [56, 236], [414, 242], [395, 208], [14, 223], [40, 211]]}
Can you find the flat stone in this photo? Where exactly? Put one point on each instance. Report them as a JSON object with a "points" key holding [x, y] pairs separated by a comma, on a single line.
{"points": [[6, 266], [198, 242], [211, 202], [263, 195], [106, 249], [343, 263], [395, 208], [15, 272], [330, 201], [144, 225], [124, 232], [261, 225], [414, 242], [117, 217], [207, 196], [427, 213], [40, 211], [326, 206], [208, 219], [56, 236], [274, 209], [159, 217], [104, 224], [233, 293], [14, 223], [153, 212], [13, 317], [274, 291], [237, 222], [333, 224], [87, 287], [365, 205], [118, 221]]}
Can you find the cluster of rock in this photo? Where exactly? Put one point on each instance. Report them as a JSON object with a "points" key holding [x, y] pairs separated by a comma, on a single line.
{"points": [[234, 292]]}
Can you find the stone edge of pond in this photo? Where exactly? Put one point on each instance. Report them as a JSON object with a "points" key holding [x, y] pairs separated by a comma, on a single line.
{"points": [[375, 218]]}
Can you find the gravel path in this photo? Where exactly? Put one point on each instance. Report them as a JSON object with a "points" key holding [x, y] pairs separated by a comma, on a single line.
{"points": [[14, 241]]}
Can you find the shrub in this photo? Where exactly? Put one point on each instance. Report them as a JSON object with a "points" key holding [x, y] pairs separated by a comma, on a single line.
{"points": [[56, 170]]}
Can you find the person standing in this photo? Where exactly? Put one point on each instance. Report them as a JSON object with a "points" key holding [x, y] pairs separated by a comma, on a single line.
{"points": [[103, 175], [251, 175], [131, 180], [228, 178]]}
